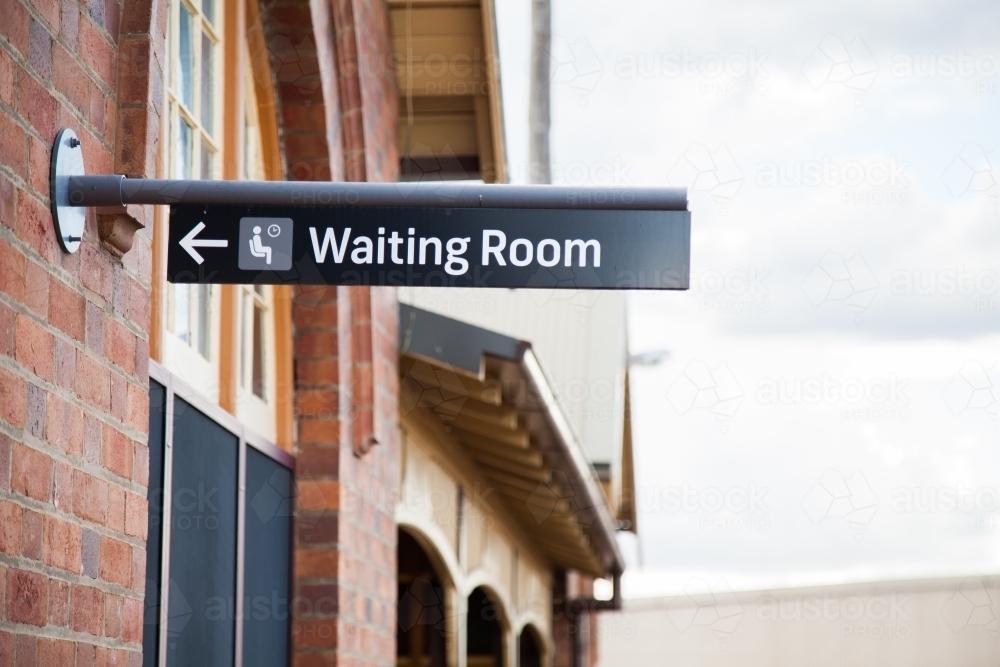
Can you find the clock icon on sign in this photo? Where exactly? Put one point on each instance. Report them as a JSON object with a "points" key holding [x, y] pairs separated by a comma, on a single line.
{"points": [[273, 231]]}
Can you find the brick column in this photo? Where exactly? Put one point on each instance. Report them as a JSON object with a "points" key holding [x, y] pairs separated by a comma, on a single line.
{"points": [[345, 558], [73, 344], [337, 110]]}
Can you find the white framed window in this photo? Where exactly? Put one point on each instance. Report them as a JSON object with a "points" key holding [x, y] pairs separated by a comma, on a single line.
{"points": [[193, 105], [256, 382], [257, 370], [232, 342], [193, 100], [190, 316], [192, 109], [253, 149], [256, 343]]}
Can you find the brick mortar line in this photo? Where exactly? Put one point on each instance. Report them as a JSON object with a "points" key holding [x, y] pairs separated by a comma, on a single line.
{"points": [[29, 377], [142, 106], [84, 465], [362, 657], [344, 616], [337, 578], [74, 281], [12, 430], [3, 105], [74, 53], [49, 631], [56, 332], [137, 37], [80, 289], [336, 581], [58, 95], [344, 613], [29, 565], [61, 456], [130, 273], [342, 652], [331, 546], [40, 507], [16, 179], [92, 77]]}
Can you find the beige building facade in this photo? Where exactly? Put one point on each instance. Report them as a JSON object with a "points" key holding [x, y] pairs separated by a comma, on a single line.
{"points": [[503, 522], [937, 623]]}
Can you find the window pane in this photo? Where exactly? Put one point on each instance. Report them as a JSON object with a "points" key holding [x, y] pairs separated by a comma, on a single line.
{"points": [[185, 66], [168, 156], [204, 318], [268, 563], [246, 339], [258, 351], [182, 312], [201, 629], [207, 161], [207, 84], [182, 167], [208, 8]]}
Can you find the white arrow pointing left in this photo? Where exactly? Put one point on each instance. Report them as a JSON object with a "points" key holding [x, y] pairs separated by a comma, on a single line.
{"points": [[189, 243]]}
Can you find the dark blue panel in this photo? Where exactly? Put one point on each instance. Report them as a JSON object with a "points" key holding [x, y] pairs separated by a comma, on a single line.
{"points": [[201, 627], [154, 540], [267, 562]]}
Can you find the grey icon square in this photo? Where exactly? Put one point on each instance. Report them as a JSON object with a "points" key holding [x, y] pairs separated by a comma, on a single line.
{"points": [[265, 244]]}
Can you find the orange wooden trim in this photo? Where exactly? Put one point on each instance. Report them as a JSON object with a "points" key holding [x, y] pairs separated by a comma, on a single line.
{"points": [[158, 285], [267, 108], [158, 282], [232, 115], [284, 394], [258, 61], [232, 158]]}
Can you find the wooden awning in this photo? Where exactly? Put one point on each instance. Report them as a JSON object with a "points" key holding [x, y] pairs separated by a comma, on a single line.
{"points": [[493, 399], [450, 115]]}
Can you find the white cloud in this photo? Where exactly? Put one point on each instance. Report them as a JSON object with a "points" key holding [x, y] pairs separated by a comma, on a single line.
{"points": [[904, 250]]}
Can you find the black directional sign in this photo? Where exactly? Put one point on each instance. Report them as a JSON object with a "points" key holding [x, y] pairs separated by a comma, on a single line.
{"points": [[429, 246]]}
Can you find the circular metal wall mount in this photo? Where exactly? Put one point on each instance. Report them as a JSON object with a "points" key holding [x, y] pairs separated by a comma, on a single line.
{"points": [[67, 160]]}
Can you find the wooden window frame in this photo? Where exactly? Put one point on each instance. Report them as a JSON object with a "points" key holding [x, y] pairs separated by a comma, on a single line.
{"points": [[241, 44]]}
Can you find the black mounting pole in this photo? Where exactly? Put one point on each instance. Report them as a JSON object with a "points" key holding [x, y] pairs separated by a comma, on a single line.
{"points": [[120, 191]]}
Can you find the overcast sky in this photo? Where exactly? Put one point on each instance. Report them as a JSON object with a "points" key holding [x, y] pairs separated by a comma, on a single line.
{"points": [[837, 353]]}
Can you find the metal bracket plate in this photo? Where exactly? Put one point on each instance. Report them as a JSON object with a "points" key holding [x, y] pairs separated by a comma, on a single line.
{"points": [[67, 160]]}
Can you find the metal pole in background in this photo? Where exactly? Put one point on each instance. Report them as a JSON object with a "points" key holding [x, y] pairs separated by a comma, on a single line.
{"points": [[539, 102]]}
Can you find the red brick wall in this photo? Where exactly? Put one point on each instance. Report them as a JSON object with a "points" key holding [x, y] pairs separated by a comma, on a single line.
{"points": [[73, 338], [379, 96], [345, 529], [369, 101], [346, 358], [306, 87]]}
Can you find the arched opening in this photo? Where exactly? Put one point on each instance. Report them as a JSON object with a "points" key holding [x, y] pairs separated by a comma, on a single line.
{"points": [[421, 610], [484, 633], [529, 648]]}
